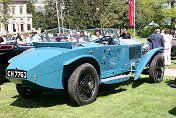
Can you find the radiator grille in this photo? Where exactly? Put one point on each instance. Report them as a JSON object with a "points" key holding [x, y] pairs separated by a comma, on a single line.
{"points": [[134, 52]]}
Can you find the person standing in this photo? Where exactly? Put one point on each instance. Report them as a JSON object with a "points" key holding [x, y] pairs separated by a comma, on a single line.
{"points": [[156, 40], [167, 44]]}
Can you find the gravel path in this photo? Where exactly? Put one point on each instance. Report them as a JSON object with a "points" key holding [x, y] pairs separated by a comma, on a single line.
{"points": [[170, 72]]}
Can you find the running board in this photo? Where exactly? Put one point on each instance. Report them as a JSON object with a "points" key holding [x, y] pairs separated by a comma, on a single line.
{"points": [[115, 79]]}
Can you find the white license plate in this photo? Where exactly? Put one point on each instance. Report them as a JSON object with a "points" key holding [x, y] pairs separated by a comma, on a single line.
{"points": [[17, 74]]}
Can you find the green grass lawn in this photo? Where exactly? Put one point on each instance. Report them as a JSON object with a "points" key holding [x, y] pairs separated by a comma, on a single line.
{"points": [[173, 65], [144, 40], [139, 99]]}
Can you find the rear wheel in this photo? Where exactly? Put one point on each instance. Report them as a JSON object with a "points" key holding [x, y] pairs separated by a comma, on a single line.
{"points": [[83, 84], [156, 70], [26, 92]]}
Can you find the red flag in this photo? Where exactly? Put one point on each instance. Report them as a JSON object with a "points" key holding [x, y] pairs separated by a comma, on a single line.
{"points": [[131, 12]]}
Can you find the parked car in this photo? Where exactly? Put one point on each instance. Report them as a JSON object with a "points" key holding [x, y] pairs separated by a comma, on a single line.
{"points": [[80, 68], [7, 51]]}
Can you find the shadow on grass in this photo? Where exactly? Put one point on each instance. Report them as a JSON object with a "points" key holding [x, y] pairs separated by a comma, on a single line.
{"points": [[3, 79], [173, 111], [170, 83], [48, 99], [140, 81], [105, 90]]}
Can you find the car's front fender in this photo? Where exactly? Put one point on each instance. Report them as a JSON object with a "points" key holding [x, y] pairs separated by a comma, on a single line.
{"points": [[144, 60]]}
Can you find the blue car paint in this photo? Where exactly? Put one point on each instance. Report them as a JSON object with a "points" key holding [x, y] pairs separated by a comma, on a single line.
{"points": [[45, 66], [45, 63], [42, 68], [144, 60]]}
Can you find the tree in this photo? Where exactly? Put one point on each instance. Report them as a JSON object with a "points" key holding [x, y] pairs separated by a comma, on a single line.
{"points": [[4, 11], [30, 7], [76, 14], [47, 20], [37, 17], [170, 12], [50, 18], [38, 20], [85, 14], [89, 14], [148, 11], [115, 14]]}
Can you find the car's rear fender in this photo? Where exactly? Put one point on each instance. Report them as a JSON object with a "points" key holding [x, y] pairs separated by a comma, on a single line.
{"points": [[144, 60], [43, 66], [69, 64]]}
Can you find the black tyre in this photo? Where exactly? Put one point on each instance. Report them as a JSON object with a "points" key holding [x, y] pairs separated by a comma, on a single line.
{"points": [[156, 69], [26, 92], [83, 85]]}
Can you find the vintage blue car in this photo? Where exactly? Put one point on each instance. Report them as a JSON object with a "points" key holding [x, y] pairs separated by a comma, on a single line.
{"points": [[80, 67]]}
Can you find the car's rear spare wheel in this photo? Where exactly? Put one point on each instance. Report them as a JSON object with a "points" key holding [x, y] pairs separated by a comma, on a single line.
{"points": [[83, 84]]}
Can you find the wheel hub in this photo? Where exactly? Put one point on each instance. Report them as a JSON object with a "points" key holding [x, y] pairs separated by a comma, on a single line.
{"points": [[90, 85], [86, 86]]}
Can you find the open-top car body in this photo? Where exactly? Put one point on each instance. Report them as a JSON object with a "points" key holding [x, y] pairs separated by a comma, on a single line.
{"points": [[81, 67]]}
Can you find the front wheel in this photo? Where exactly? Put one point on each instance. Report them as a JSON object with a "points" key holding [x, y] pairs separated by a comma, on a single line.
{"points": [[26, 92], [83, 84], [156, 69]]}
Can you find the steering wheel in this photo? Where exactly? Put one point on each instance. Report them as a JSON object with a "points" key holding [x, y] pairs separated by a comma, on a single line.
{"points": [[106, 40]]}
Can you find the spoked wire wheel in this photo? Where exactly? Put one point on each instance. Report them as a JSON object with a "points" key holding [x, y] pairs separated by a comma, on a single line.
{"points": [[156, 70], [83, 84], [86, 85], [159, 69]]}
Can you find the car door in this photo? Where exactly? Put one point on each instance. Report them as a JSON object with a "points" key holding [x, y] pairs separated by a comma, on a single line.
{"points": [[111, 60]]}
